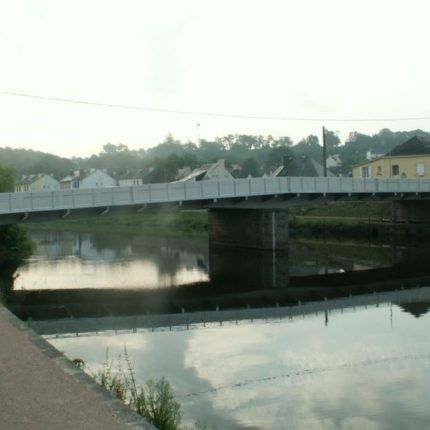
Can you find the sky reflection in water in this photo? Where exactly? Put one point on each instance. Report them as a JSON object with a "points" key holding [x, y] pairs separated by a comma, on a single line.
{"points": [[367, 369]]}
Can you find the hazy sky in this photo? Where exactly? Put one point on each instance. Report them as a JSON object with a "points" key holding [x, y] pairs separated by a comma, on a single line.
{"points": [[332, 59]]}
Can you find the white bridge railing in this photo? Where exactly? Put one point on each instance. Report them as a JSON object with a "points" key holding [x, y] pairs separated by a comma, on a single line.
{"points": [[11, 203]]}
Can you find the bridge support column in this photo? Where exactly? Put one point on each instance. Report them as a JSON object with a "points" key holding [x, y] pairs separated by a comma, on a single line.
{"points": [[249, 228]]}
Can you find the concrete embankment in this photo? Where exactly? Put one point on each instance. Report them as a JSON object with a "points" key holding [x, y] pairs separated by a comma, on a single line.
{"points": [[40, 389]]}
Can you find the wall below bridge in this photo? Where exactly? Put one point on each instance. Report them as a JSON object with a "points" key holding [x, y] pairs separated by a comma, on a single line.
{"points": [[248, 228]]}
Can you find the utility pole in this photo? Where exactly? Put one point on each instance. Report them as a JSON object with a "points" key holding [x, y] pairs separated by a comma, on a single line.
{"points": [[324, 154]]}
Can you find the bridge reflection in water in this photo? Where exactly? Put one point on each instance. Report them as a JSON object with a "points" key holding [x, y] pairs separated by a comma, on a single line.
{"points": [[415, 301]]}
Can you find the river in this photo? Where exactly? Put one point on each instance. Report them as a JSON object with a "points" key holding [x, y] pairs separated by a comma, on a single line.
{"points": [[351, 365]]}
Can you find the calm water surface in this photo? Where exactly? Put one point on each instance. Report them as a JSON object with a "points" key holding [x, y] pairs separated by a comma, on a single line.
{"points": [[362, 368], [65, 260]]}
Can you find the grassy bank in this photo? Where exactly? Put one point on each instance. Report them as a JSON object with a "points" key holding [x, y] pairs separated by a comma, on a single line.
{"points": [[181, 223], [345, 220]]}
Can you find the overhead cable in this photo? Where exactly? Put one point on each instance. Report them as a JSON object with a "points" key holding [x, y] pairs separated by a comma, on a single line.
{"points": [[213, 114]]}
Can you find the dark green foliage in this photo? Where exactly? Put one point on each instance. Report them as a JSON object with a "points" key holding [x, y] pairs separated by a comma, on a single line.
{"points": [[15, 246], [28, 162], [250, 168], [309, 147], [7, 179]]}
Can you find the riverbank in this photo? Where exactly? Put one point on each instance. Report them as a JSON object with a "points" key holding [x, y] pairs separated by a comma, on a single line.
{"points": [[345, 220], [166, 223]]}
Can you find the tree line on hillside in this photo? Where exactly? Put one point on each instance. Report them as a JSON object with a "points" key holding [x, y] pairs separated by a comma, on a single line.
{"points": [[244, 154]]}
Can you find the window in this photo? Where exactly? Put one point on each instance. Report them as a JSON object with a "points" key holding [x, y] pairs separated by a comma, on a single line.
{"points": [[421, 169], [365, 172], [395, 170], [379, 170]]}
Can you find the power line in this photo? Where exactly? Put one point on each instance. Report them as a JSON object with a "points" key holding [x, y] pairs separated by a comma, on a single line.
{"points": [[212, 114]]}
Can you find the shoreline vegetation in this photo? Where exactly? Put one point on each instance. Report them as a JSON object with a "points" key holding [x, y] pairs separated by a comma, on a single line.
{"points": [[154, 400], [356, 221]]}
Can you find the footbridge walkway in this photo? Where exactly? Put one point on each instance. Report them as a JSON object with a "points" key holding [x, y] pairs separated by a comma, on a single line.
{"points": [[258, 193]]}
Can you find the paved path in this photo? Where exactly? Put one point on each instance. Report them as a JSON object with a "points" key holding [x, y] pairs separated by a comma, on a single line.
{"points": [[41, 390]]}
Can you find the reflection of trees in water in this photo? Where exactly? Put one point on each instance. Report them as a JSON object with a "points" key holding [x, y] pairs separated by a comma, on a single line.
{"points": [[15, 247], [417, 309], [169, 255]]}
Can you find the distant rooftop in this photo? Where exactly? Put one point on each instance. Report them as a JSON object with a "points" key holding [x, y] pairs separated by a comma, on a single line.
{"points": [[300, 166], [416, 146]]}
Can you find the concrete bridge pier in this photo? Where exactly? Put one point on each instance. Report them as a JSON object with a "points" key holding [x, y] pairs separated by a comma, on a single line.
{"points": [[249, 228]]}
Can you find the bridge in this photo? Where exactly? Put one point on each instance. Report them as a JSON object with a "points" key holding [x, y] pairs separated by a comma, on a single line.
{"points": [[264, 224]]}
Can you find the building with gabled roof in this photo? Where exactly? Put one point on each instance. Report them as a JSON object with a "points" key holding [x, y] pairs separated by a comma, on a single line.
{"points": [[410, 159], [37, 182], [300, 166], [93, 178], [214, 171], [135, 177]]}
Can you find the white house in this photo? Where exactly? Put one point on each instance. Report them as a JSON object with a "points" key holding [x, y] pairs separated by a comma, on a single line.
{"points": [[130, 178], [136, 177], [214, 171], [374, 153], [37, 182], [333, 161], [94, 178]]}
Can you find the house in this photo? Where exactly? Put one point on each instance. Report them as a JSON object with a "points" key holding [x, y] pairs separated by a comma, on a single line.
{"points": [[374, 153], [411, 159], [37, 182], [94, 178], [135, 177], [300, 166], [214, 171], [333, 161], [183, 173]]}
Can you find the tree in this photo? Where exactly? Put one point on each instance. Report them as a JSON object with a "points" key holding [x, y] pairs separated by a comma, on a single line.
{"points": [[332, 142], [15, 246], [7, 179], [309, 147], [166, 169], [283, 141], [249, 168], [275, 156]]}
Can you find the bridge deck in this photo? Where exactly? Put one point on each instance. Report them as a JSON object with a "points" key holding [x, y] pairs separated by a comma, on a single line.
{"points": [[204, 193]]}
